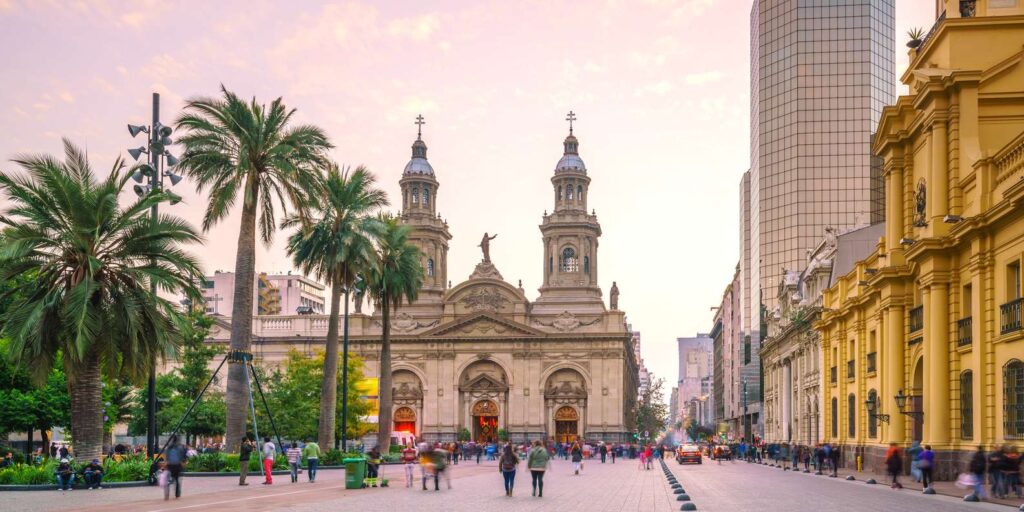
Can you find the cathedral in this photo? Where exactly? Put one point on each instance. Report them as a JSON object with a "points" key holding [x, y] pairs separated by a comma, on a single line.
{"points": [[480, 355]]}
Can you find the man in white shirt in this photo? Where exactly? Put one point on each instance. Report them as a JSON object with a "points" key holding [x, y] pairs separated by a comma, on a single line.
{"points": [[269, 451]]}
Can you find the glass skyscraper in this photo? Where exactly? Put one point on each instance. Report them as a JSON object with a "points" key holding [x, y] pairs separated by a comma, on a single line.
{"points": [[820, 73]]}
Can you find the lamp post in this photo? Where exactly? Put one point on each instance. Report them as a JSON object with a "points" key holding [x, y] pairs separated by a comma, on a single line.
{"points": [[901, 404], [344, 366], [872, 405], [159, 157]]}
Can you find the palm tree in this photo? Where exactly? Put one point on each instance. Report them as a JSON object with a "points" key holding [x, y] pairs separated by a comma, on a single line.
{"points": [[232, 149], [395, 279], [336, 244], [89, 307]]}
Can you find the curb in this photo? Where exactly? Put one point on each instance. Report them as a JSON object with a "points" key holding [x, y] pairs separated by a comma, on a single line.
{"points": [[53, 487]]}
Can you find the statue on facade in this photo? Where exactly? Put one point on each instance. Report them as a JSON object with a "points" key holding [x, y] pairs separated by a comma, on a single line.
{"points": [[357, 301], [485, 245], [614, 296]]}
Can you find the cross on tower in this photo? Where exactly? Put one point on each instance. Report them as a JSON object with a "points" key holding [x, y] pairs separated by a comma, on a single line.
{"points": [[571, 117], [419, 126]]}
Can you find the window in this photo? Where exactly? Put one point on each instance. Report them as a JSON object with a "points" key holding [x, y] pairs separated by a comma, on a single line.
{"points": [[851, 407], [568, 192], [426, 195], [967, 405], [1013, 399], [430, 267], [873, 422], [1013, 281], [586, 265], [579, 192], [835, 417], [569, 262], [558, 192], [416, 195], [551, 264]]}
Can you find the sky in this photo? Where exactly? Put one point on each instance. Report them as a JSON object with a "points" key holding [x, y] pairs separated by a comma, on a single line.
{"points": [[660, 89]]}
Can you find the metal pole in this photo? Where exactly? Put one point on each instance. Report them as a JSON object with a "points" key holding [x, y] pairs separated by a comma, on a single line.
{"points": [[255, 428], [194, 402], [263, 397], [344, 372], [152, 439]]}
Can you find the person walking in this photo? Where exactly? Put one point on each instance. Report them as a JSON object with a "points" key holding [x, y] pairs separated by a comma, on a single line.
{"points": [[612, 452], [537, 461], [176, 457], [244, 455], [576, 454], [996, 462], [269, 451], [311, 451], [834, 461], [1011, 471], [294, 455], [977, 469], [894, 464], [373, 461], [925, 461], [408, 461], [913, 454], [507, 466]]}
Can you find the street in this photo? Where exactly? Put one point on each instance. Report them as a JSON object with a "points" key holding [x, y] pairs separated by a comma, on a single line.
{"points": [[601, 487]]}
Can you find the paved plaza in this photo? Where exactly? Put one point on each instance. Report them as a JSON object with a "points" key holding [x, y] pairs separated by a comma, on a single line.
{"points": [[601, 487]]}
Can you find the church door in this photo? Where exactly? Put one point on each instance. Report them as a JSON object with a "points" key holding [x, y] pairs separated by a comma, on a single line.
{"points": [[485, 421], [405, 420], [566, 424]]}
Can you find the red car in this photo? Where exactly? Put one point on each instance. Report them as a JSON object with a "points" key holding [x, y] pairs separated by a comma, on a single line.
{"points": [[688, 453]]}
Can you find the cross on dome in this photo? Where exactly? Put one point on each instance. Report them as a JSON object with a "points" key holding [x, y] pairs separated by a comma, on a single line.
{"points": [[570, 117], [419, 126]]}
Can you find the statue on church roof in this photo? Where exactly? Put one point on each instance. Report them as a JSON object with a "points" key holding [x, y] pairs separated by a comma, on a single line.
{"points": [[485, 245], [614, 296]]}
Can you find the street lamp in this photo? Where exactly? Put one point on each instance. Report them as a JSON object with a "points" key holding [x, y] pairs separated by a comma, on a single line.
{"points": [[159, 137], [901, 404], [344, 365], [872, 405]]}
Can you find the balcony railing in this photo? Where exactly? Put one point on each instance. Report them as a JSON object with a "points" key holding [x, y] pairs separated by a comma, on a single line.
{"points": [[872, 361], [1009, 316], [963, 332], [916, 319], [850, 369], [833, 374]]}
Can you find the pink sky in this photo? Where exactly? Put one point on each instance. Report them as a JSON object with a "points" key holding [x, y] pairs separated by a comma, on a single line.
{"points": [[660, 88]]}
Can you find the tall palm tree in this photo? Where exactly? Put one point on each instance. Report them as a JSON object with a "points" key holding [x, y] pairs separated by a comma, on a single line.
{"points": [[232, 149], [395, 280], [89, 306], [336, 244]]}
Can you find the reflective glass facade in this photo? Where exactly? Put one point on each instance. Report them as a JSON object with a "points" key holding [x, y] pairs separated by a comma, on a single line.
{"points": [[821, 71]]}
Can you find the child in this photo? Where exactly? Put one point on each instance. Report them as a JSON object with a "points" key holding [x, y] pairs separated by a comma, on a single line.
{"points": [[163, 479]]}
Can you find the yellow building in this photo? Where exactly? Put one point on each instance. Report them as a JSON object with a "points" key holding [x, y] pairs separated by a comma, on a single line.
{"points": [[931, 320]]}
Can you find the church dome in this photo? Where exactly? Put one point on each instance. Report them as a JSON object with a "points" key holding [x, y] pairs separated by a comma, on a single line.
{"points": [[419, 164], [570, 160]]}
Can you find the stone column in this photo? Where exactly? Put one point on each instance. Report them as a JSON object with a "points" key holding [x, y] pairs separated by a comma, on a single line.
{"points": [[938, 179], [894, 206], [893, 379], [787, 399], [936, 366]]}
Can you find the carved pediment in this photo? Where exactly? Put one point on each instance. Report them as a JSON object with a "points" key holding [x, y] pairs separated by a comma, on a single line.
{"points": [[567, 321], [483, 382], [484, 299], [404, 322], [482, 325]]}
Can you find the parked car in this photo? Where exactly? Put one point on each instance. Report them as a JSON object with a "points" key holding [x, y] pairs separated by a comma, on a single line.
{"points": [[721, 452], [688, 453]]}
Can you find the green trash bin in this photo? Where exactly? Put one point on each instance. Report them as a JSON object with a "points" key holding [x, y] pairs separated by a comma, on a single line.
{"points": [[355, 472]]}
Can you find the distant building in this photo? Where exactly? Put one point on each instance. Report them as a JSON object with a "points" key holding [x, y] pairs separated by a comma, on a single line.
{"points": [[696, 362], [274, 294], [645, 376]]}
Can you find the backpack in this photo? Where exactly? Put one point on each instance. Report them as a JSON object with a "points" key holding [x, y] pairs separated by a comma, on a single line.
{"points": [[508, 463]]}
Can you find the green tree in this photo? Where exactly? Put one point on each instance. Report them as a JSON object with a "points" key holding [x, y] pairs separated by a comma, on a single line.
{"points": [[336, 244], [395, 279], [652, 413], [90, 306], [26, 406], [293, 396], [117, 405], [232, 149]]}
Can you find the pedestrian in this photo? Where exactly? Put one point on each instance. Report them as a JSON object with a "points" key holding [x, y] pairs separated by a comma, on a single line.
{"points": [[93, 473], [176, 458], [648, 457], [441, 469], [507, 467], [479, 449], [373, 461], [603, 450], [311, 451], [537, 461], [408, 461], [915, 465], [163, 479], [269, 451], [925, 461], [244, 455], [294, 455], [1011, 471], [834, 460], [977, 469], [613, 450], [65, 475], [996, 463], [577, 457], [894, 464]]}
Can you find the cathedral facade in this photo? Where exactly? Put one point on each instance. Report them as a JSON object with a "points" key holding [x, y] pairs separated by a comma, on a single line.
{"points": [[480, 355]]}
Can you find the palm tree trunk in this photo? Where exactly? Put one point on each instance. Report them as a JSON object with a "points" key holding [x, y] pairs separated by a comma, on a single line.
{"points": [[329, 385], [237, 397], [87, 408], [384, 389]]}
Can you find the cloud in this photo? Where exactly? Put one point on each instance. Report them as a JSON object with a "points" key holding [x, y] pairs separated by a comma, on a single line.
{"points": [[419, 28], [67, 97], [166, 67], [703, 77], [659, 88]]}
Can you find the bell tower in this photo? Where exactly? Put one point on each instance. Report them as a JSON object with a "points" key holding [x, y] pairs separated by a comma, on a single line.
{"points": [[570, 237], [419, 211]]}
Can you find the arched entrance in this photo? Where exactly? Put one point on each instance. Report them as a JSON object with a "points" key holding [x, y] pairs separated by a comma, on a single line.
{"points": [[405, 420], [567, 426], [485, 421], [917, 400]]}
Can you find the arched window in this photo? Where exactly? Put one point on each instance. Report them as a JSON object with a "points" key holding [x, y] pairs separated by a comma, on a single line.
{"points": [[416, 195], [405, 199], [579, 192], [430, 267], [569, 262], [586, 265], [426, 195], [558, 193], [568, 192], [1013, 399], [967, 405], [835, 418], [873, 422], [851, 407], [551, 263]]}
